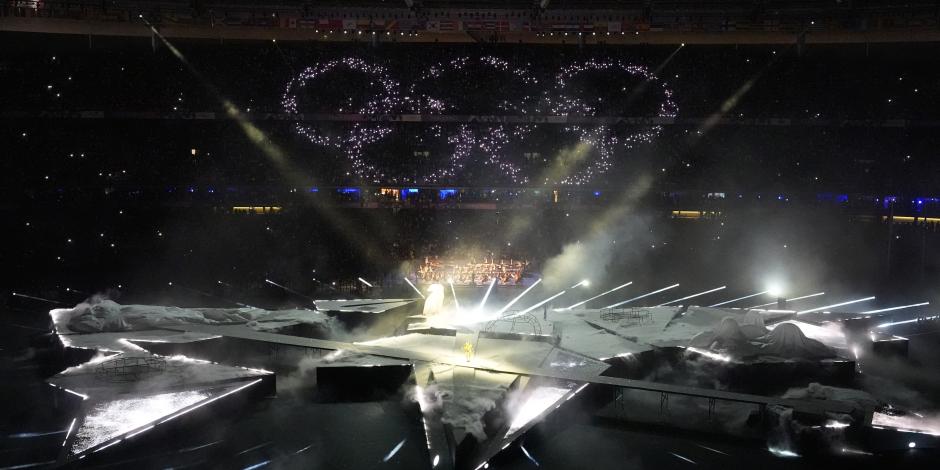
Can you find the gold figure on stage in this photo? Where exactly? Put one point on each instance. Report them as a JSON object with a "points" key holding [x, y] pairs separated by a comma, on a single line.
{"points": [[468, 350]]}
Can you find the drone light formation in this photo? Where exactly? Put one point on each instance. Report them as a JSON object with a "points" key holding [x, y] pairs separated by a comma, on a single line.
{"points": [[443, 169], [493, 144]]}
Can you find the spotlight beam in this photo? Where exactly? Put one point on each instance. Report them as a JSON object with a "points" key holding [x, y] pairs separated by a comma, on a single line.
{"points": [[642, 296], [836, 305], [513, 301], [288, 289], [394, 451], [415, 288], [365, 282], [277, 156], [598, 295], [537, 305], [790, 300], [732, 101], [454, 293], [39, 298], [487, 295], [643, 86], [890, 309], [693, 295], [529, 456], [903, 322], [806, 296], [664, 63], [739, 298]]}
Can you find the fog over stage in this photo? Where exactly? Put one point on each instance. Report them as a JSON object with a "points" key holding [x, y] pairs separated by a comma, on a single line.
{"points": [[481, 378], [487, 235]]}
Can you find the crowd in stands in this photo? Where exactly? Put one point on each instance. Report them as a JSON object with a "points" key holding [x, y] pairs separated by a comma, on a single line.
{"points": [[823, 82], [106, 196], [591, 17], [813, 148], [467, 270], [181, 160], [842, 115], [164, 254]]}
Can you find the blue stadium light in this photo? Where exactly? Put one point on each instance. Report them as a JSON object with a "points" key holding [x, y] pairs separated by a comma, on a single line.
{"points": [[348, 190], [314, 189]]}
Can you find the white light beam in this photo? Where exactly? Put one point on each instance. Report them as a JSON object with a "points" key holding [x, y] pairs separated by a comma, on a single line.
{"points": [[529, 456], [693, 295], [790, 300], [365, 282], [206, 402], [69, 432], [288, 289], [683, 458], [598, 295], [38, 298], [537, 305], [415, 288], [889, 309], [739, 298], [487, 295], [836, 305], [394, 451], [452, 291], [902, 322], [644, 295], [511, 302]]}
